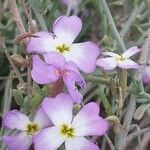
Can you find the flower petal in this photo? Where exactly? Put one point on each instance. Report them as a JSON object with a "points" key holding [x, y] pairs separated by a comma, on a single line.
{"points": [[73, 90], [59, 109], [146, 74], [128, 64], [87, 122], [15, 120], [15, 141], [67, 28], [69, 65], [131, 51], [54, 58], [48, 139], [42, 119], [44, 42], [84, 55], [43, 73], [109, 63], [80, 143], [70, 80], [110, 54]]}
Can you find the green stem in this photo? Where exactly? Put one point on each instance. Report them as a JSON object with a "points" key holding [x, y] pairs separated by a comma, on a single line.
{"points": [[104, 100], [136, 11], [112, 25], [96, 79]]}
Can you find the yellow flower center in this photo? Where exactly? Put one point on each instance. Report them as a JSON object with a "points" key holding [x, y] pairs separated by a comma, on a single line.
{"points": [[32, 128], [62, 48], [67, 131], [121, 58]]}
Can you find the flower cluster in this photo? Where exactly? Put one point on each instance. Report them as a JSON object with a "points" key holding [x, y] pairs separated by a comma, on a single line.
{"points": [[63, 127], [55, 56]]}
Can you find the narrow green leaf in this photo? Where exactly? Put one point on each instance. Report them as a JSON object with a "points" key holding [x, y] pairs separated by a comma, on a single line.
{"points": [[18, 97]]}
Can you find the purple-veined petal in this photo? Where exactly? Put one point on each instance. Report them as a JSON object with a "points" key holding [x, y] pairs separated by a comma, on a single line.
{"points": [[14, 142], [15, 120], [44, 42], [67, 28], [110, 54], [109, 63], [59, 109], [84, 55], [127, 64], [80, 143], [48, 139], [146, 74], [131, 51], [54, 58], [87, 122], [70, 80], [43, 73], [42, 119]]}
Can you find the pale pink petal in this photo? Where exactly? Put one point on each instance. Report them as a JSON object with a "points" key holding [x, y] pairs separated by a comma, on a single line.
{"points": [[48, 139], [109, 63], [15, 120], [59, 109], [67, 28], [110, 54], [84, 55], [41, 43], [131, 51], [80, 143], [146, 75], [43, 73], [14, 142], [87, 122], [128, 64], [54, 58], [42, 119]]}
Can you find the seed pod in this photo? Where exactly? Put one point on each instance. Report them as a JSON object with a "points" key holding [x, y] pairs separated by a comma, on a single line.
{"points": [[18, 60]]}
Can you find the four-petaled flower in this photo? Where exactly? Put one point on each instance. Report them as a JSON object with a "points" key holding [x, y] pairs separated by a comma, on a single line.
{"points": [[56, 67], [122, 61], [66, 29], [146, 75], [28, 129], [67, 128]]}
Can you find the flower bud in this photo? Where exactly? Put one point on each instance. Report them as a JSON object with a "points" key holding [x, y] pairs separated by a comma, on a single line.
{"points": [[76, 108]]}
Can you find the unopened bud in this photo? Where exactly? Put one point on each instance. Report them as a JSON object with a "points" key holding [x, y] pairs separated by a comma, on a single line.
{"points": [[33, 26], [20, 61], [76, 108]]}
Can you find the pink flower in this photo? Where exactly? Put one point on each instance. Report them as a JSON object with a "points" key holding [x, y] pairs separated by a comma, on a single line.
{"points": [[70, 129], [146, 75], [55, 67], [28, 129], [66, 29], [122, 61]]}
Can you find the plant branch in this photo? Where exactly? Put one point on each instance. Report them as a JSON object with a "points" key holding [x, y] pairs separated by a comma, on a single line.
{"points": [[12, 64], [137, 133], [112, 25], [120, 139], [16, 16], [136, 11]]}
